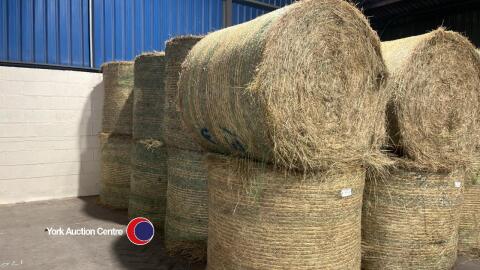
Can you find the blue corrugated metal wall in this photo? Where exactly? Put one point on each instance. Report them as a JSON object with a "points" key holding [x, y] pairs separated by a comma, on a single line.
{"points": [[44, 31], [242, 12], [123, 29], [58, 31]]}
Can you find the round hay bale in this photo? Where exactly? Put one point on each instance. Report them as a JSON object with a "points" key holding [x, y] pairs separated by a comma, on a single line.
{"points": [[410, 220], [187, 212], [118, 100], [263, 219], [149, 96], [115, 183], [148, 185], [176, 134], [299, 87], [434, 106], [469, 232]]}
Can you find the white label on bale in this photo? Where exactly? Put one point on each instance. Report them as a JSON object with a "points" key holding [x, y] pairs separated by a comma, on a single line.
{"points": [[346, 192], [458, 184]]}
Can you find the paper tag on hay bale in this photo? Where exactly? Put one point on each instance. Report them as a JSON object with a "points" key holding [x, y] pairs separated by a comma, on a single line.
{"points": [[346, 192], [458, 184]]}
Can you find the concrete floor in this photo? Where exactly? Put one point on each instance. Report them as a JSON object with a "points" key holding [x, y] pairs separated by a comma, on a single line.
{"points": [[24, 243]]}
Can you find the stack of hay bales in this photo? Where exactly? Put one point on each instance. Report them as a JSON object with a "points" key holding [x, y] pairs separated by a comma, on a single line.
{"points": [[469, 233], [187, 214], [148, 186], [294, 98], [116, 136], [411, 214]]}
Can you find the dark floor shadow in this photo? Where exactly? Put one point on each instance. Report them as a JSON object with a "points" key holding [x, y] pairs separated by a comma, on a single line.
{"points": [[93, 209], [149, 257]]}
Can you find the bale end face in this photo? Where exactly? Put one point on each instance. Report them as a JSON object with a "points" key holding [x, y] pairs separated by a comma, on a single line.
{"points": [[434, 106]]}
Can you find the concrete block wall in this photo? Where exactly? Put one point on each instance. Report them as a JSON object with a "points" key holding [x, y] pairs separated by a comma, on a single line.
{"points": [[49, 122]]}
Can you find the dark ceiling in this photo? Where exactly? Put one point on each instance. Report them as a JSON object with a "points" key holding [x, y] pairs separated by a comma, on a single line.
{"points": [[382, 12]]}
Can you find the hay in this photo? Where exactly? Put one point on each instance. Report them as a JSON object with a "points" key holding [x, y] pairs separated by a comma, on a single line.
{"points": [[260, 218], [148, 186], [469, 232], [434, 106], [298, 87], [149, 96], [187, 212], [176, 134], [118, 100], [115, 182], [410, 220]]}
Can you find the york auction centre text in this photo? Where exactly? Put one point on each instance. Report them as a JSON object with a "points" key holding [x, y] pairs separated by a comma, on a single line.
{"points": [[84, 231]]}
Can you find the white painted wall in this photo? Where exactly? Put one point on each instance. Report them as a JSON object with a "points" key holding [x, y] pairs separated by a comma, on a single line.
{"points": [[49, 121]]}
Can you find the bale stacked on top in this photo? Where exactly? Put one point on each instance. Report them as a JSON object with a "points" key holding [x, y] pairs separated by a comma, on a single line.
{"points": [[261, 218], [149, 96], [469, 232], [116, 134], [187, 213], [176, 133], [148, 187], [411, 215], [432, 114], [118, 102], [297, 87]]}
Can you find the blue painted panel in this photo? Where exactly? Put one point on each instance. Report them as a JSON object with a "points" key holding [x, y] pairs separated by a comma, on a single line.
{"points": [[27, 30], [98, 33], [40, 41], [14, 30], [3, 30], [119, 33], [64, 32], [45, 31], [76, 39], [86, 33]]}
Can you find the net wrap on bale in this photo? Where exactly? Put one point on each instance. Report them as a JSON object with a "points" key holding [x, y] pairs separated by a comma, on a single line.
{"points": [[187, 213], [176, 134], [149, 96], [286, 87], [118, 100], [149, 157], [116, 170], [469, 232], [410, 220], [263, 219], [434, 106], [148, 186]]}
